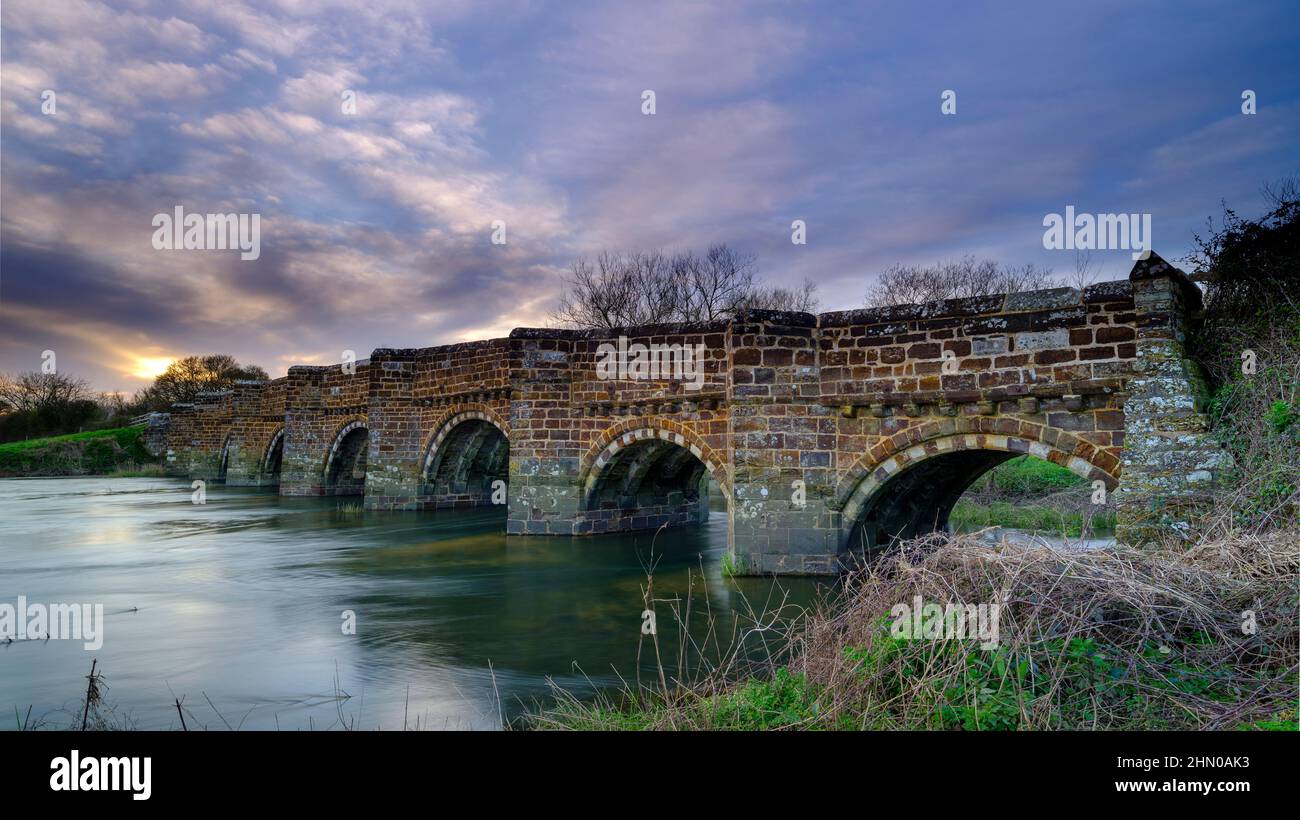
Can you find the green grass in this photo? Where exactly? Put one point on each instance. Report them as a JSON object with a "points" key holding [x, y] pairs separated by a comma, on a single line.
{"points": [[1028, 475], [784, 701], [999, 686], [1070, 682], [1284, 721], [95, 452], [969, 516], [730, 566], [1017, 495], [123, 435]]}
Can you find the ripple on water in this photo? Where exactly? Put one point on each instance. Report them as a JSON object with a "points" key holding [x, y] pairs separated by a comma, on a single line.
{"points": [[243, 599]]}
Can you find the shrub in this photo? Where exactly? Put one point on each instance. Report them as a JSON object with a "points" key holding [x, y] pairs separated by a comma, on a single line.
{"points": [[1249, 344], [1104, 639]]}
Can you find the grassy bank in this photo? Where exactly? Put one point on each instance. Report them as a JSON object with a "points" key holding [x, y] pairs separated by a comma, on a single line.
{"points": [[117, 451], [1028, 476], [1124, 640], [969, 516], [1028, 493], [1195, 634]]}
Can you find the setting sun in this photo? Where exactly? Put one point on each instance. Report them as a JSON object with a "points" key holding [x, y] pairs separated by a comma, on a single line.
{"points": [[148, 367]]}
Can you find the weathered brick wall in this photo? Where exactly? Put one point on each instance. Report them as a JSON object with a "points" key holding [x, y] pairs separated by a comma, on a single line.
{"points": [[780, 434], [180, 432], [1045, 344], [257, 422], [544, 452], [418, 399], [156, 435], [824, 414], [1169, 462], [300, 471], [393, 425], [200, 438], [321, 405], [828, 435], [583, 446]]}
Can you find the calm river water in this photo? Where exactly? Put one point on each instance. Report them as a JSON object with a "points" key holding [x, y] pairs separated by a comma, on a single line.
{"points": [[235, 607]]}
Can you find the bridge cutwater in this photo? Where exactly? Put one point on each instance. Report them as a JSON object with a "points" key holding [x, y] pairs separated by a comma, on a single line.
{"points": [[828, 435]]}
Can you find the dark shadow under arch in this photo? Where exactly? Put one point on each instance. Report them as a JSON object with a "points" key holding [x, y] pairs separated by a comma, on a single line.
{"points": [[913, 489], [224, 463], [345, 472], [273, 460], [919, 499], [647, 484], [465, 463]]}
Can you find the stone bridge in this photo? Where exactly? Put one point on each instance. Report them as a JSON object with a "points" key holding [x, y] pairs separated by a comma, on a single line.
{"points": [[826, 435]]}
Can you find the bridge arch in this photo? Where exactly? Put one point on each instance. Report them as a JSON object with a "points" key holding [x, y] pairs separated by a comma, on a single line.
{"points": [[223, 461], [465, 456], [273, 455], [344, 468], [641, 475], [907, 486]]}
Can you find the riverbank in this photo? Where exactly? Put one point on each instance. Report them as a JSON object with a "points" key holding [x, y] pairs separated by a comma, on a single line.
{"points": [[1117, 638], [117, 452], [1033, 495]]}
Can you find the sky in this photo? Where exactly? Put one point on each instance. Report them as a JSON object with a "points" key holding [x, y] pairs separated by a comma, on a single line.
{"points": [[377, 226]]}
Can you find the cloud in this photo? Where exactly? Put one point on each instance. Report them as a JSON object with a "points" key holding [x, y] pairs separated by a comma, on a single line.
{"points": [[376, 226], [1221, 144], [683, 50]]}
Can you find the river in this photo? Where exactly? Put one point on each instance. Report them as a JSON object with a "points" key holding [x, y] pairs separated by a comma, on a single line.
{"points": [[236, 607]]}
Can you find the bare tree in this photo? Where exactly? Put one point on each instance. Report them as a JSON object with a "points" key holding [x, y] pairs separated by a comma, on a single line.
{"points": [[713, 285], [33, 392], [803, 299], [640, 288], [1085, 271], [114, 403], [185, 378], [914, 284], [41, 404], [1282, 193], [620, 289]]}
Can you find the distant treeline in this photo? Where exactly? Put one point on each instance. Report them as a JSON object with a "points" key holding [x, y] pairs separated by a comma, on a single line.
{"points": [[37, 404]]}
